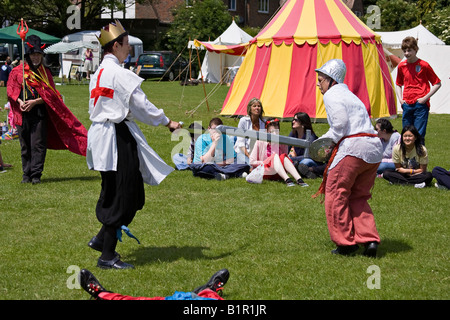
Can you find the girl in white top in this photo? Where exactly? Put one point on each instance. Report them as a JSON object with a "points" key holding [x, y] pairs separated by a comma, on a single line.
{"points": [[253, 121]]}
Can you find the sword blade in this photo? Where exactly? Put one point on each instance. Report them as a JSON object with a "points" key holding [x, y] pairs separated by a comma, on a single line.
{"points": [[261, 135]]}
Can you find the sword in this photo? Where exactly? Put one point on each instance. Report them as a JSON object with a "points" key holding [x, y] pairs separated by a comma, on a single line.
{"points": [[261, 135]]}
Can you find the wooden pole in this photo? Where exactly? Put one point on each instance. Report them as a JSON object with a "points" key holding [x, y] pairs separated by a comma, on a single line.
{"points": [[201, 74], [190, 59]]}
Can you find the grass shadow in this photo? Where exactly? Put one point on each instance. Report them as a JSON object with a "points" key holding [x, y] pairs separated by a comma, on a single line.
{"points": [[388, 246], [63, 179], [148, 255]]}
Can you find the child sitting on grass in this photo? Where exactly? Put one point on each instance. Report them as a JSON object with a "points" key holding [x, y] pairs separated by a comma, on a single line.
{"points": [[275, 158], [411, 159]]}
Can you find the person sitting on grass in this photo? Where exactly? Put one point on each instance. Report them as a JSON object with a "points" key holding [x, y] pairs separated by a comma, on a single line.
{"points": [[274, 157], [411, 159], [214, 156], [442, 177], [389, 138], [212, 290]]}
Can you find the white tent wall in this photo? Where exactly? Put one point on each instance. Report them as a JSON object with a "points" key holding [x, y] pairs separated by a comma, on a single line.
{"points": [[216, 65]]}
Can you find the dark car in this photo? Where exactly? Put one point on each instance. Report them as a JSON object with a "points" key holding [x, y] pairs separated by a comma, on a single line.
{"points": [[156, 64]]}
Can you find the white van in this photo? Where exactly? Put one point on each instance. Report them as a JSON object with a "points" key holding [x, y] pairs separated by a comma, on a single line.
{"points": [[76, 57]]}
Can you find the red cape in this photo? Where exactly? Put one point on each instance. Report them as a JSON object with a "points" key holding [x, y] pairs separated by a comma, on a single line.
{"points": [[65, 131]]}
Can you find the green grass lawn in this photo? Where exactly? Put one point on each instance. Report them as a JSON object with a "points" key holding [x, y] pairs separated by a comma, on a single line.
{"points": [[273, 239]]}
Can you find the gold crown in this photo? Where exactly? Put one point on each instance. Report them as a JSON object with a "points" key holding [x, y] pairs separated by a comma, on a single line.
{"points": [[111, 32]]}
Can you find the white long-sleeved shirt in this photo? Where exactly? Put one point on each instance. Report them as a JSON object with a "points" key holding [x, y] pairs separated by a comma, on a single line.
{"points": [[245, 123], [347, 115], [116, 95]]}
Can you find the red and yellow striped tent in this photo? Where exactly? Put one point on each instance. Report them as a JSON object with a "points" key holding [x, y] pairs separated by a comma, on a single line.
{"points": [[279, 62]]}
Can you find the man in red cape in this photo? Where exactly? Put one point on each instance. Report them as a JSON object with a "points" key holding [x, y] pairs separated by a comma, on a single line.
{"points": [[43, 120]]}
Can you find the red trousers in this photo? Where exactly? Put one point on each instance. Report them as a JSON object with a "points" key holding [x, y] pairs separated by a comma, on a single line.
{"points": [[348, 188]]}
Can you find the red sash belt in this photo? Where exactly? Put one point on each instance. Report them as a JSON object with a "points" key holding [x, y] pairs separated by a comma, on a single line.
{"points": [[333, 154]]}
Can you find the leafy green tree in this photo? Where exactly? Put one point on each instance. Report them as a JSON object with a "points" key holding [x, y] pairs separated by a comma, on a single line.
{"points": [[204, 20], [396, 14], [438, 23], [51, 15]]}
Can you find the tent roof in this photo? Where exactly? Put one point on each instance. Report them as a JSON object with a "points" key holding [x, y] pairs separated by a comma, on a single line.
{"points": [[233, 35], [301, 37], [232, 41], [310, 21], [63, 47], [9, 35], [394, 39]]}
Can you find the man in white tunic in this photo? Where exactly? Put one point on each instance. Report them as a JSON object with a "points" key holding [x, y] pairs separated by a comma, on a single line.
{"points": [[117, 147], [351, 170]]}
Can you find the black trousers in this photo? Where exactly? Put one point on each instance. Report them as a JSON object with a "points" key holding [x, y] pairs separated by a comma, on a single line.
{"points": [[401, 178], [33, 141], [122, 193]]}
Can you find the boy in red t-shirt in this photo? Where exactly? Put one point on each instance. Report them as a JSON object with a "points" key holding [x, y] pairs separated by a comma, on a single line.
{"points": [[413, 87]]}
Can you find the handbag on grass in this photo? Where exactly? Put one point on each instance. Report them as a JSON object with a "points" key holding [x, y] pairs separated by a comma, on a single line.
{"points": [[256, 176]]}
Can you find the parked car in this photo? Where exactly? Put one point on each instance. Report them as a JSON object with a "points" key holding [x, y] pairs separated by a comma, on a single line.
{"points": [[156, 64]]}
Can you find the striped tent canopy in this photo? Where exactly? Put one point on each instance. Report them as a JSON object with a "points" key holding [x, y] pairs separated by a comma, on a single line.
{"points": [[279, 62]]}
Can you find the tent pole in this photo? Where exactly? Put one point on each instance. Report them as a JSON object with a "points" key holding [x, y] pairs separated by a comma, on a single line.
{"points": [[190, 58], [201, 74]]}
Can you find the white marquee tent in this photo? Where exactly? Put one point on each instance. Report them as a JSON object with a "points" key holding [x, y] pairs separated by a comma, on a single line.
{"points": [[432, 50], [216, 65]]}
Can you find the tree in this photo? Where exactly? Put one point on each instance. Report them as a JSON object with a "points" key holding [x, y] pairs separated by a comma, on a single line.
{"points": [[203, 20], [51, 15], [396, 14], [438, 23]]}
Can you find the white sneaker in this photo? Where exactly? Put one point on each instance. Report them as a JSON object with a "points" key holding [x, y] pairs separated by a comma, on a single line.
{"points": [[221, 176], [439, 186], [419, 185], [244, 175]]}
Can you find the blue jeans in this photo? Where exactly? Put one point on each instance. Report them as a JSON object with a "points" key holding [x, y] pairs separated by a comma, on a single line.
{"points": [[384, 166], [306, 161], [417, 115]]}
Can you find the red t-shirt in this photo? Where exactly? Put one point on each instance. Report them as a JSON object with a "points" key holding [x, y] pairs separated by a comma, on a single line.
{"points": [[415, 79]]}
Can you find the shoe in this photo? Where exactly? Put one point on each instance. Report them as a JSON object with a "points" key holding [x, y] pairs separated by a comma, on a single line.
{"points": [[35, 181], [289, 183], [303, 169], [25, 180], [302, 183], [440, 186], [420, 185], [115, 263], [371, 249], [216, 283], [221, 176], [244, 175], [90, 283], [96, 244], [345, 250]]}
